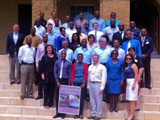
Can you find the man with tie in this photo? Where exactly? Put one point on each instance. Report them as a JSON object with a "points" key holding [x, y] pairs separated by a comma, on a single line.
{"points": [[14, 42], [147, 48], [96, 32], [120, 35], [130, 42], [62, 74]]}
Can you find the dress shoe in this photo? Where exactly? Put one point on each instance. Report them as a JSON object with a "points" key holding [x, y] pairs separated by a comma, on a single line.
{"points": [[37, 98], [62, 116], [30, 96], [91, 117], [22, 97], [125, 101], [81, 116], [47, 107], [18, 83], [111, 109], [97, 118], [138, 109], [76, 116], [11, 83], [115, 110], [56, 115], [148, 86]]}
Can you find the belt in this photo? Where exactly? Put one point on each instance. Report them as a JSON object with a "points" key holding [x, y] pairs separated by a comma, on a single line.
{"points": [[94, 82], [23, 63]]}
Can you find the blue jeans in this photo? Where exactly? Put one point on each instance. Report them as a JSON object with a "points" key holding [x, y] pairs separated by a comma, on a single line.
{"points": [[82, 97]]}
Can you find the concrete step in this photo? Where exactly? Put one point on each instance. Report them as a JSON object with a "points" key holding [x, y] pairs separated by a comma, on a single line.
{"points": [[155, 78], [7, 86], [32, 117], [156, 84], [17, 101], [26, 110], [150, 98], [153, 91], [121, 115]]}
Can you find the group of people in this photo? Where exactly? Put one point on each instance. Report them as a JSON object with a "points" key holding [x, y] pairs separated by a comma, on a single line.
{"points": [[101, 57]]}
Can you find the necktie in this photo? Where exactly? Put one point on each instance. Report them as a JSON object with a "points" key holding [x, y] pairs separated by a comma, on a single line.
{"points": [[96, 36], [128, 46], [15, 37], [122, 35], [61, 70], [142, 39]]}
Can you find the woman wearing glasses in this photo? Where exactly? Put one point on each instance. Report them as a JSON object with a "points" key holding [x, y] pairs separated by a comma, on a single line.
{"points": [[131, 74]]}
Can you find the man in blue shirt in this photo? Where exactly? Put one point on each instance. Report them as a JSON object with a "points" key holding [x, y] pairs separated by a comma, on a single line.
{"points": [[132, 43], [103, 50], [51, 37], [56, 29], [99, 20], [66, 24], [112, 16], [86, 30], [69, 52], [87, 52]]}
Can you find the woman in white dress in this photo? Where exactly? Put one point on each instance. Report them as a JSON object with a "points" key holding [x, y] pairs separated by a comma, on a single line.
{"points": [[131, 74]]}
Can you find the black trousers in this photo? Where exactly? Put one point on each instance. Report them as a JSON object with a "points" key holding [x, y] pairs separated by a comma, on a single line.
{"points": [[62, 81], [147, 67], [39, 81], [48, 98]]}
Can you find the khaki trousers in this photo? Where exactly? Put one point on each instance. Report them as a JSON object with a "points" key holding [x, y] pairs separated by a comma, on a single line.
{"points": [[27, 78]]}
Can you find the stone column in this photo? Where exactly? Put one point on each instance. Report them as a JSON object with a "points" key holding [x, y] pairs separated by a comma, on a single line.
{"points": [[46, 6], [121, 7]]}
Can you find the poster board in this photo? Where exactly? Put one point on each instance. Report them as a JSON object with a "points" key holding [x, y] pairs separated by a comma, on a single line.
{"points": [[69, 99]]}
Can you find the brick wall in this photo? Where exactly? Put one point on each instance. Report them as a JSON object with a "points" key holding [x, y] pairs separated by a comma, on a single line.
{"points": [[121, 7], [42, 5]]}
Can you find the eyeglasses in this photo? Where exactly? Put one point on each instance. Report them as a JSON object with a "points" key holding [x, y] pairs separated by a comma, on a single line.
{"points": [[128, 58]]}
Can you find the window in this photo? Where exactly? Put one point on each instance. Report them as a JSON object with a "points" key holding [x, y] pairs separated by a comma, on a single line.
{"points": [[76, 9]]}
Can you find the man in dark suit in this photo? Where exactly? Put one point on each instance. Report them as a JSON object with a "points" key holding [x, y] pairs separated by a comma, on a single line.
{"points": [[14, 42], [120, 35], [147, 48]]}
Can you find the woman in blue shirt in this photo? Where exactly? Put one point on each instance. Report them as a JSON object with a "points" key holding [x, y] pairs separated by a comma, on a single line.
{"points": [[131, 74], [61, 38], [114, 79]]}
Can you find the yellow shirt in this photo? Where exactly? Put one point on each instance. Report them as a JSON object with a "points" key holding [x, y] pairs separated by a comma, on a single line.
{"points": [[36, 40]]}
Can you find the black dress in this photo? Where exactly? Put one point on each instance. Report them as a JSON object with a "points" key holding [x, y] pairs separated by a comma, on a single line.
{"points": [[49, 82]]}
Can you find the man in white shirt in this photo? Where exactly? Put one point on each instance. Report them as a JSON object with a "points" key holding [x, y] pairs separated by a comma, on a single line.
{"points": [[96, 32], [54, 15], [70, 30], [116, 46], [110, 30], [97, 75], [26, 59], [40, 30]]}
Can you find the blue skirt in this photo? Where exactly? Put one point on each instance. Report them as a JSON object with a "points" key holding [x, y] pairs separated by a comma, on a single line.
{"points": [[114, 86]]}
